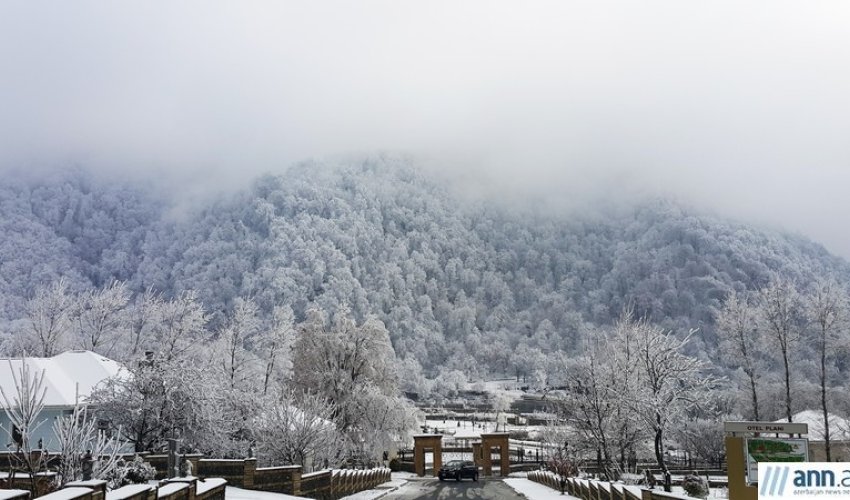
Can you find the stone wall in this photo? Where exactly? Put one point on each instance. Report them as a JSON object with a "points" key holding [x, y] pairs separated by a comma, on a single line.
{"points": [[317, 485], [237, 472], [285, 479], [160, 462], [21, 481]]}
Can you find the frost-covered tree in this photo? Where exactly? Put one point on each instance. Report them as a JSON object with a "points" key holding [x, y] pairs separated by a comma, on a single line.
{"points": [[100, 319], [297, 429], [23, 410], [704, 437], [178, 325], [157, 399], [592, 403], [453, 281], [78, 435], [347, 364], [561, 455], [827, 311], [782, 318], [275, 343], [49, 318], [737, 326], [666, 382], [142, 316], [231, 349], [385, 423], [237, 374]]}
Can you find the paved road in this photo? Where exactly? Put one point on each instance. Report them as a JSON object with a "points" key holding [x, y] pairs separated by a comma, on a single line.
{"points": [[433, 489]]}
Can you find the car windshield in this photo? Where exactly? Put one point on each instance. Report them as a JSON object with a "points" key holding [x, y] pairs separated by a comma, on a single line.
{"points": [[454, 463]]}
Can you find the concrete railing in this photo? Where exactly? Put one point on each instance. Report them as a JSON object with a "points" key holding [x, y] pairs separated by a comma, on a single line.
{"points": [[72, 493], [133, 492], [22, 481], [188, 488], [599, 490], [349, 482], [289, 479], [244, 473], [198, 489], [14, 494]]}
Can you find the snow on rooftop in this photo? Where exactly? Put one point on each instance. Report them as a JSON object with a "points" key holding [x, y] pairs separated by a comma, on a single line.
{"points": [[839, 428], [66, 375]]}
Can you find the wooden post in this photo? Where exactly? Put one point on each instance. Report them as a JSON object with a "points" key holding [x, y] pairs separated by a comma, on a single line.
{"points": [[736, 463]]}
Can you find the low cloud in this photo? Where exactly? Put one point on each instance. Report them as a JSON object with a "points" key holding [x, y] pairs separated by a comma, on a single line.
{"points": [[740, 108]]}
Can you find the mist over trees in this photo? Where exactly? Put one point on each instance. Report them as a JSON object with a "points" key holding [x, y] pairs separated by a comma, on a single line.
{"points": [[463, 288]]}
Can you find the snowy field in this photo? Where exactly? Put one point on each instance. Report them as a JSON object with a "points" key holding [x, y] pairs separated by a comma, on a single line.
{"points": [[461, 429]]}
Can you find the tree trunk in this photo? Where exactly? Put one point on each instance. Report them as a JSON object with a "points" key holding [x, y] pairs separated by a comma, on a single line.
{"points": [[787, 384], [659, 457], [754, 395], [823, 397]]}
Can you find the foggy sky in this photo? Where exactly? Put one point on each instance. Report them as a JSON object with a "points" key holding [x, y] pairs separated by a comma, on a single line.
{"points": [[741, 107]]}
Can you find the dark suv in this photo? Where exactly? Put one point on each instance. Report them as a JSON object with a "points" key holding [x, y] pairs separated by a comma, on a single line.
{"points": [[458, 469]]}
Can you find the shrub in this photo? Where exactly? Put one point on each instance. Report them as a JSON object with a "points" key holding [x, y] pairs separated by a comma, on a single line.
{"points": [[136, 471], [695, 486]]}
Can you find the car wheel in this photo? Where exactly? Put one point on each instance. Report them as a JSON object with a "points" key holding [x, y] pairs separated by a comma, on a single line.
{"points": [[457, 476], [475, 477], [442, 478]]}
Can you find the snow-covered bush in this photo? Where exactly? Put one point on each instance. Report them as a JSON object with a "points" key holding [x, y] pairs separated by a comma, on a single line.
{"points": [[695, 486], [136, 471]]}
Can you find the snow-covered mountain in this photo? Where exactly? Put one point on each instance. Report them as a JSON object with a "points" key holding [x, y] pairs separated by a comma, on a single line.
{"points": [[455, 280]]}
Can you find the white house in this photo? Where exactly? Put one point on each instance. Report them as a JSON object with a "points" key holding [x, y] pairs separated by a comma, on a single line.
{"points": [[67, 377]]}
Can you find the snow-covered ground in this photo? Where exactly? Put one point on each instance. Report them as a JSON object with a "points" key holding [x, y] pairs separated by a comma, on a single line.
{"points": [[461, 433], [713, 492], [464, 428], [535, 491], [398, 479], [233, 493]]}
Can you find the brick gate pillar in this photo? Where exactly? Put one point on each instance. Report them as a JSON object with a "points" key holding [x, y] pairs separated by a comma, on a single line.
{"points": [[496, 440], [421, 444]]}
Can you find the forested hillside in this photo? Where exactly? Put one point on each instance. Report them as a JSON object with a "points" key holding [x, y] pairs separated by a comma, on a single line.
{"points": [[455, 280]]}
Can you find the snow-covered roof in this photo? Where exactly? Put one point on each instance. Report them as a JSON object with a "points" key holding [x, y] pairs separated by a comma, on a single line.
{"points": [[66, 375], [839, 428]]}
